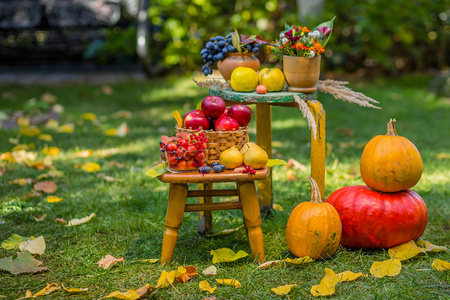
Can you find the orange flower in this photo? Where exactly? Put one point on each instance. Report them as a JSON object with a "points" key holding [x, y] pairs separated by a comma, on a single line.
{"points": [[304, 29]]}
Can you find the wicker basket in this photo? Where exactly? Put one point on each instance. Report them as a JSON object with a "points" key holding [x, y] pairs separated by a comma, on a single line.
{"points": [[220, 141]]}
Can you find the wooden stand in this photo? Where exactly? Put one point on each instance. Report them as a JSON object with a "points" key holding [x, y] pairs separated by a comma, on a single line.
{"points": [[179, 191]]}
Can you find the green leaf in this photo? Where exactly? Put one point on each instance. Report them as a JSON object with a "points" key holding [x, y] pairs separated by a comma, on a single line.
{"points": [[276, 162], [329, 24], [236, 40], [157, 170], [24, 263], [13, 242]]}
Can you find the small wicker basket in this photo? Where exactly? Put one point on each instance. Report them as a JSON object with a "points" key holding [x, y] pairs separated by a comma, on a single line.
{"points": [[220, 141]]}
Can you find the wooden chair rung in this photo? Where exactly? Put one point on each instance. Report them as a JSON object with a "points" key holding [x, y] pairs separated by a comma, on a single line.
{"points": [[213, 206], [212, 193]]}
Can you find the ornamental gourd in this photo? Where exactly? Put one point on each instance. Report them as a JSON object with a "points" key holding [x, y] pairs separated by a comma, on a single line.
{"points": [[313, 228], [390, 163], [372, 219]]}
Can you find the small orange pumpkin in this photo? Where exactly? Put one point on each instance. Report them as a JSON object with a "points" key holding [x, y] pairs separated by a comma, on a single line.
{"points": [[390, 163], [314, 228]]}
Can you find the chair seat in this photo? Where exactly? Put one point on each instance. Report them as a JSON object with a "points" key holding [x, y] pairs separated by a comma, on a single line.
{"points": [[226, 176]]}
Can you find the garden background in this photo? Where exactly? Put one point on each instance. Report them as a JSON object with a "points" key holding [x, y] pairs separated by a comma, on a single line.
{"points": [[392, 51]]}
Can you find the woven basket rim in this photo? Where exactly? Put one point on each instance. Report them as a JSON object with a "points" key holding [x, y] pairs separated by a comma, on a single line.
{"points": [[244, 129]]}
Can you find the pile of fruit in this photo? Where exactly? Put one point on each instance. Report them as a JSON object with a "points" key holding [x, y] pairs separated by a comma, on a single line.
{"points": [[245, 79], [185, 151], [214, 115]]}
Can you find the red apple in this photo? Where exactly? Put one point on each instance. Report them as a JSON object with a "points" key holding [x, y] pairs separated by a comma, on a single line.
{"points": [[226, 123], [181, 164], [213, 106], [241, 113], [191, 164], [195, 120], [192, 150], [200, 156]]}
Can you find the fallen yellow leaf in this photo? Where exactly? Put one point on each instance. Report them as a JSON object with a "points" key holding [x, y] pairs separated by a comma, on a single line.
{"points": [[22, 181], [89, 116], [23, 121], [45, 137], [327, 285], [35, 246], [14, 241], [348, 276], [52, 151], [150, 260], [51, 173], [53, 199], [123, 114], [232, 282], [167, 278], [50, 288], [133, 294], [111, 132], [191, 271], [440, 265], [226, 231], [390, 267], [48, 97], [40, 219], [429, 247], [405, 251], [91, 167], [226, 255], [30, 131], [67, 128], [51, 124], [84, 153], [204, 286], [108, 261], [75, 222], [277, 207], [283, 290], [299, 260]]}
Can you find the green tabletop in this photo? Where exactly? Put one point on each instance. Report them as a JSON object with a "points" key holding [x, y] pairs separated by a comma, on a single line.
{"points": [[282, 96]]}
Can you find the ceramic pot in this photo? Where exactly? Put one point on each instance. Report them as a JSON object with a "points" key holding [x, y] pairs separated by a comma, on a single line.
{"points": [[234, 60], [301, 73]]}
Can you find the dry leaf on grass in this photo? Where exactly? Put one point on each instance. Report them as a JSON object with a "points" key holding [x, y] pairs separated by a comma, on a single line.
{"points": [[74, 290], [61, 220], [225, 231], [108, 178], [84, 153], [23, 263], [14, 241], [191, 271], [66, 128], [75, 222], [268, 264], [232, 282], [51, 173], [390, 267], [50, 288], [226, 255], [52, 124], [210, 271], [90, 167], [53, 199], [440, 265], [327, 285], [22, 181], [45, 137], [108, 261], [205, 286], [121, 131], [40, 219], [349, 276], [89, 116], [277, 207], [429, 247], [48, 187], [133, 294], [149, 260], [167, 278], [31, 194], [51, 151], [299, 260], [283, 290], [29, 131], [35, 246], [405, 251], [123, 114]]}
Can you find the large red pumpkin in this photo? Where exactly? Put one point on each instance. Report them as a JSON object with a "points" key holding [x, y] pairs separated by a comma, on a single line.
{"points": [[372, 219]]}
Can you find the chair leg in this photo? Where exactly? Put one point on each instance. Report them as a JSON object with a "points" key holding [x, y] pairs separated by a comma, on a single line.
{"points": [[205, 217], [252, 217], [174, 218]]}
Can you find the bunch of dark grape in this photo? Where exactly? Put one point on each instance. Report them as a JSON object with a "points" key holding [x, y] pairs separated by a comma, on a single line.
{"points": [[217, 49]]}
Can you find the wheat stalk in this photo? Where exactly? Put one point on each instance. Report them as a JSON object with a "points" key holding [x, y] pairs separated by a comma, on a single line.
{"points": [[212, 83], [306, 112]]}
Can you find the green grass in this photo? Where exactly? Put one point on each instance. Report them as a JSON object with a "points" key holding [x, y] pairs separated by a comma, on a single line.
{"points": [[130, 213]]}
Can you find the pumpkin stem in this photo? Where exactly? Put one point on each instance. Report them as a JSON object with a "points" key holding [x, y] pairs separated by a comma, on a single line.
{"points": [[391, 131], [315, 192]]}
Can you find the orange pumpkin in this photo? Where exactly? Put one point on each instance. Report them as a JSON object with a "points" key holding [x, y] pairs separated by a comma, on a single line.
{"points": [[390, 163], [314, 228]]}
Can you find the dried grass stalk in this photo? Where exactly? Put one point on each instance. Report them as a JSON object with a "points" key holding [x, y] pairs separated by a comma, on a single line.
{"points": [[212, 84], [306, 112], [340, 91]]}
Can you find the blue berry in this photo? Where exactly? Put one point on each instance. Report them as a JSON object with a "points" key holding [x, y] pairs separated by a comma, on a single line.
{"points": [[210, 71], [231, 48], [230, 41], [222, 166], [210, 63], [221, 44], [209, 46], [220, 56], [203, 51], [228, 36], [210, 57], [216, 48], [225, 50], [217, 169], [205, 169], [205, 72], [214, 163], [212, 39], [219, 38]]}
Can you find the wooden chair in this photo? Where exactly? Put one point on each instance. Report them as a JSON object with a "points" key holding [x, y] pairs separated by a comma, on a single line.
{"points": [[179, 191]]}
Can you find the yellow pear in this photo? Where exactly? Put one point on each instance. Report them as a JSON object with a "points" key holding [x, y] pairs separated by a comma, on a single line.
{"points": [[246, 146], [256, 157], [231, 158]]}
